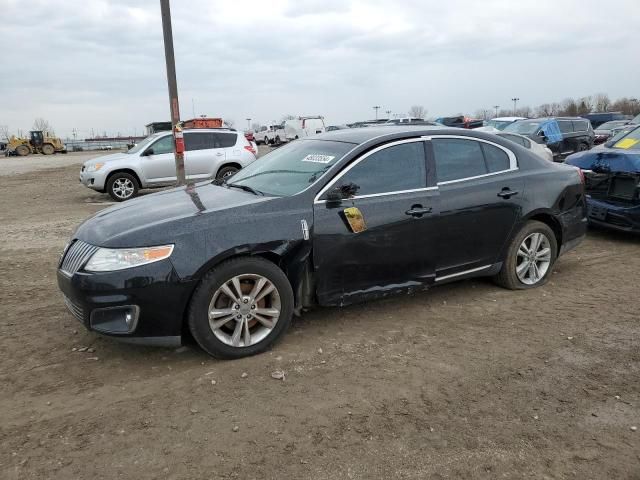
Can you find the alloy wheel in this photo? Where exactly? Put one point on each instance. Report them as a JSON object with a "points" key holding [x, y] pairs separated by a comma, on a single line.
{"points": [[244, 310], [123, 188], [533, 258]]}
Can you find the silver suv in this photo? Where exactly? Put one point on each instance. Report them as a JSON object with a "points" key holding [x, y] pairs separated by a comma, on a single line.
{"points": [[210, 153]]}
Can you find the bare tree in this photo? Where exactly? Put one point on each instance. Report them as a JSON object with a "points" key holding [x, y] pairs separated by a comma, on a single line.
{"points": [[601, 102], [417, 111], [626, 106], [288, 117], [569, 107], [43, 125], [585, 105], [4, 132]]}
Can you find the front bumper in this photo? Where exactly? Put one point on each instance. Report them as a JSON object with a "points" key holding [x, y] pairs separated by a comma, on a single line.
{"points": [[153, 294], [94, 180], [615, 216]]}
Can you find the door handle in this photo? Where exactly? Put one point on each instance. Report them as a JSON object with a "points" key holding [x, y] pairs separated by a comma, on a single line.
{"points": [[507, 193], [219, 154], [418, 210]]}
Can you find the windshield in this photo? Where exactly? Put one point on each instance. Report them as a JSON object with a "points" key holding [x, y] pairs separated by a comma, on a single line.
{"points": [[292, 168], [523, 128], [627, 141], [610, 125], [144, 143]]}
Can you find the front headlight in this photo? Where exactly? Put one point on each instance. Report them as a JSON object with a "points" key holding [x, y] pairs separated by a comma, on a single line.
{"points": [[94, 167], [111, 259]]}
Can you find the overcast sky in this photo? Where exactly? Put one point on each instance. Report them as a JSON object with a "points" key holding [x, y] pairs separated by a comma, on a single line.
{"points": [[97, 64]]}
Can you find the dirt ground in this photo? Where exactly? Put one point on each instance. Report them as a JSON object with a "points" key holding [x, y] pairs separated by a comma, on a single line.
{"points": [[465, 381]]}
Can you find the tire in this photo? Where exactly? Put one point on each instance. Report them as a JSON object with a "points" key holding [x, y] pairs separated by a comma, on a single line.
{"points": [[22, 150], [278, 141], [226, 172], [266, 140], [122, 186], [508, 276], [210, 297], [47, 149]]}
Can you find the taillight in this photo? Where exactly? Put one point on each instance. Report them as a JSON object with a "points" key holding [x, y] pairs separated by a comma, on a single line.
{"points": [[581, 173], [250, 148]]}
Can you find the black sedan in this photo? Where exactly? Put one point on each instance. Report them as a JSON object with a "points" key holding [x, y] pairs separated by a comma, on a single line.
{"points": [[337, 218]]}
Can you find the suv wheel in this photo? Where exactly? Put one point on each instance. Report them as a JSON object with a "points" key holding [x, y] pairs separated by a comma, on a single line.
{"points": [[266, 140], [122, 186], [278, 141], [226, 172], [530, 258], [240, 308]]}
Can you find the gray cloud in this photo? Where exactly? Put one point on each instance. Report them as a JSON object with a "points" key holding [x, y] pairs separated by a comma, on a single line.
{"points": [[100, 64]]}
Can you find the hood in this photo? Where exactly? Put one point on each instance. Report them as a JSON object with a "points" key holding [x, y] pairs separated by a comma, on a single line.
{"points": [[108, 158], [158, 218], [606, 160]]}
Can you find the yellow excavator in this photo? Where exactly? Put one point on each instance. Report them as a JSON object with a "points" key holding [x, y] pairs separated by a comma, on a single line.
{"points": [[38, 142]]}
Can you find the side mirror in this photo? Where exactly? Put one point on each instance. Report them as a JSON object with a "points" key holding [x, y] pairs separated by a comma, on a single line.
{"points": [[148, 151], [334, 197], [541, 133]]}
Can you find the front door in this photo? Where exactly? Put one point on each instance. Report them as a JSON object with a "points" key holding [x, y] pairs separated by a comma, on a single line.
{"points": [[480, 193], [158, 162], [393, 249]]}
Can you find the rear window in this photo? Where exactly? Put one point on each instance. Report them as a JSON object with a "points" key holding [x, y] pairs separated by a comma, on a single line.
{"points": [[224, 139], [516, 139], [457, 159]]}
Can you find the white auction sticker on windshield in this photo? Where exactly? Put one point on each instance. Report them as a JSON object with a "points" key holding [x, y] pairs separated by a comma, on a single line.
{"points": [[317, 158]]}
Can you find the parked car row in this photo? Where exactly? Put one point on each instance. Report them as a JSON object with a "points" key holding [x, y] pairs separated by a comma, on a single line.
{"points": [[332, 219]]}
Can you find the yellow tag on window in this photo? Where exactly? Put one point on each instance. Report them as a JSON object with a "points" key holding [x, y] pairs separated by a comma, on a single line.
{"points": [[626, 143], [355, 219]]}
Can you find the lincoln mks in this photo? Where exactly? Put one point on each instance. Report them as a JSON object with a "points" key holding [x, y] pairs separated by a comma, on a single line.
{"points": [[329, 220]]}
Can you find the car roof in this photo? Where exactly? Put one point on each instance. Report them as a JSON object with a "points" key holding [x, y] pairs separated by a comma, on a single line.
{"points": [[508, 119], [363, 134]]}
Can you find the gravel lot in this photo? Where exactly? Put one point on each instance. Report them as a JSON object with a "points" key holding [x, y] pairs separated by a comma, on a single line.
{"points": [[465, 381]]}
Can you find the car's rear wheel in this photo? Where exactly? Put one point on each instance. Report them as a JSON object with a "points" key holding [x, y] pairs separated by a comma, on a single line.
{"points": [[530, 257], [278, 141], [266, 140], [240, 308], [122, 186], [226, 172]]}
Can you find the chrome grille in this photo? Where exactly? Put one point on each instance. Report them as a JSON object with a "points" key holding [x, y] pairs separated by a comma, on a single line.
{"points": [[75, 309], [76, 256]]}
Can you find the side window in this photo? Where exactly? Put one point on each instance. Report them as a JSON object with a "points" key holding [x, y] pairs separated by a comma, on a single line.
{"points": [[393, 169], [198, 141], [456, 159], [224, 140], [164, 145], [580, 126], [496, 158], [566, 126]]}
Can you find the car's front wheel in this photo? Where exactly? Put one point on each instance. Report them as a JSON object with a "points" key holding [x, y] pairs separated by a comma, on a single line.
{"points": [[122, 186], [240, 308], [530, 257], [226, 172]]}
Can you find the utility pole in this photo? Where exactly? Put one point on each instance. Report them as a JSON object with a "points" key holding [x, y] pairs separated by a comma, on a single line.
{"points": [[515, 102], [193, 108], [496, 107], [248, 124], [388, 112], [174, 106], [376, 108]]}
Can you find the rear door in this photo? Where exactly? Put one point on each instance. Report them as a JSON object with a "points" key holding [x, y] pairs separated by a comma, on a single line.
{"points": [[481, 192], [227, 143], [158, 161], [394, 248], [200, 155]]}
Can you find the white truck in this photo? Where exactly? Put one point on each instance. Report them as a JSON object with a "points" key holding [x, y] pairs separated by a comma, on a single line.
{"points": [[270, 135], [303, 127]]}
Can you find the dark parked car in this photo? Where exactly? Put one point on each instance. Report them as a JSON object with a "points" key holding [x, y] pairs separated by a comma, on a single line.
{"points": [[598, 119], [563, 135], [342, 217], [612, 174], [605, 131]]}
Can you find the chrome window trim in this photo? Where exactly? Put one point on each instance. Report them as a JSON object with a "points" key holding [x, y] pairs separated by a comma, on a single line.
{"points": [[317, 200], [458, 274], [513, 161]]}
